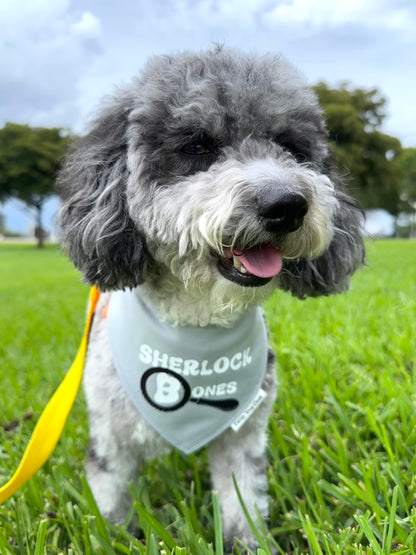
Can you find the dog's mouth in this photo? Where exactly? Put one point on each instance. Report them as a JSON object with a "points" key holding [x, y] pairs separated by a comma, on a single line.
{"points": [[252, 267]]}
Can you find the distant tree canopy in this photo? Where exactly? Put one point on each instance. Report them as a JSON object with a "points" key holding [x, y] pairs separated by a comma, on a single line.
{"points": [[29, 161], [368, 158], [408, 195]]}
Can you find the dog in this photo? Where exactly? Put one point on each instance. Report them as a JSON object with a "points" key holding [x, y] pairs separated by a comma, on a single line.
{"points": [[198, 190]]}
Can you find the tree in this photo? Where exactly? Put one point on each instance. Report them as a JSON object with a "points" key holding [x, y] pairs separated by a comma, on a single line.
{"points": [[2, 224], [368, 157], [29, 161], [408, 162]]}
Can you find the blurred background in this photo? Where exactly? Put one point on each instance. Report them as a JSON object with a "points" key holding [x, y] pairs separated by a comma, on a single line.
{"points": [[58, 58]]}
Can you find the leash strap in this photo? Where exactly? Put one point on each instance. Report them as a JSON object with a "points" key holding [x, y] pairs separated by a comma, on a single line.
{"points": [[49, 428]]}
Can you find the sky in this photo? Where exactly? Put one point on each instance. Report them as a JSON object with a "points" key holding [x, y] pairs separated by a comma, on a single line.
{"points": [[58, 58]]}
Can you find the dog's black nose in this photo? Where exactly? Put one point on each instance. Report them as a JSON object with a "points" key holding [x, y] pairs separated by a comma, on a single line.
{"points": [[283, 211]]}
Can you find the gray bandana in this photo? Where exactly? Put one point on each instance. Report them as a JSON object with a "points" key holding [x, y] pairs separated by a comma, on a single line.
{"points": [[189, 383]]}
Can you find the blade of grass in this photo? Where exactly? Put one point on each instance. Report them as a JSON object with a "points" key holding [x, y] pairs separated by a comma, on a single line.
{"points": [[41, 537], [155, 526], [219, 547], [100, 522], [387, 542], [363, 521]]}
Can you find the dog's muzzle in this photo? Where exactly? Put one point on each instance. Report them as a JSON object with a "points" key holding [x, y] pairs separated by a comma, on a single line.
{"points": [[280, 212]]}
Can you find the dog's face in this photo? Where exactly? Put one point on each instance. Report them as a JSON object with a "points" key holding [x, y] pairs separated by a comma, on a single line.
{"points": [[213, 169]]}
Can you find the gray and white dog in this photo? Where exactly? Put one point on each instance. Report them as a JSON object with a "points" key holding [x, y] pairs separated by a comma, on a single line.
{"points": [[201, 188]]}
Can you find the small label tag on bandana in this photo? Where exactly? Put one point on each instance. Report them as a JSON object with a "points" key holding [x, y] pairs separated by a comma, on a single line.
{"points": [[189, 383], [242, 419]]}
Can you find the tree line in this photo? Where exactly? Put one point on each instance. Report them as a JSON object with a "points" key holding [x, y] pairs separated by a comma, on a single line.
{"points": [[378, 171], [29, 161]]}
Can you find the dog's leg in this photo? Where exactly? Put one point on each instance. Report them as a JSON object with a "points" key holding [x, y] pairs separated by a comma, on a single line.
{"points": [[120, 440], [243, 454], [109, 471]]}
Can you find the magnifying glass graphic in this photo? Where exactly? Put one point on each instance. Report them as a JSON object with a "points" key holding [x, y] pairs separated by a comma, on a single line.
{"points": [[167, 391]]}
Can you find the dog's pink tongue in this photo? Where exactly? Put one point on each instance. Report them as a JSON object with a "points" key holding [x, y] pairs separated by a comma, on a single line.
{"points": [[263, 260]]}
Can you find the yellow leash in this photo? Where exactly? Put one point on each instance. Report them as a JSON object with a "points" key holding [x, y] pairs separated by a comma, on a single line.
{"points": [[49, 428]]}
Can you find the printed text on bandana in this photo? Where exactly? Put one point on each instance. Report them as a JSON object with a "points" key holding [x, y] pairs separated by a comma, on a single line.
{"points": [[170, 388], [193, 367]]}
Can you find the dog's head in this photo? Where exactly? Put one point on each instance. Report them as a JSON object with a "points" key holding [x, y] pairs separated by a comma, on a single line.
{"points": [[212, 168]]}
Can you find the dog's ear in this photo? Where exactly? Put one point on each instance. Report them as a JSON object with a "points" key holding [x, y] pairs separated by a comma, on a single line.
{"points": [[96, 229], [330, 273]]}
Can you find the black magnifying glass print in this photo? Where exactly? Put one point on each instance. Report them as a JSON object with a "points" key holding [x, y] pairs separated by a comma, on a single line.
{"points": [[172, 392]]}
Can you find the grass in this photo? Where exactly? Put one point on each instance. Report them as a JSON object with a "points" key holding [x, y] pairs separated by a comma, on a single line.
{"points": [[342, 438]]}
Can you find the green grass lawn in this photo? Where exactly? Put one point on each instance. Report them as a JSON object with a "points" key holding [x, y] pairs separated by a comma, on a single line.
{"points": [[342, 446]]}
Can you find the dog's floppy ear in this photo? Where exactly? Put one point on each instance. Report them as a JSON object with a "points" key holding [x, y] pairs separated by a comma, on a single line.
{"points": [[96, 229], [331, 272]]}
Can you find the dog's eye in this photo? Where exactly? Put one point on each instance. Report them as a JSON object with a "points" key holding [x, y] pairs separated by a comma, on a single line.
{"points": [[201, 146], [297, 151]]}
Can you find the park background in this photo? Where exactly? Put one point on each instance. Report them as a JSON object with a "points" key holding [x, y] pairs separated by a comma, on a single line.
{"points": [[342, 447], [58, 58]]}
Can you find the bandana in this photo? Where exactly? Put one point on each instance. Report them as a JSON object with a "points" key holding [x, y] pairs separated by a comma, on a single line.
{"points": [[189, 383]]}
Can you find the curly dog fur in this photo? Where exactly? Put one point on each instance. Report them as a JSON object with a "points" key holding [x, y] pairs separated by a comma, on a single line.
{"points": [[202, 159]]}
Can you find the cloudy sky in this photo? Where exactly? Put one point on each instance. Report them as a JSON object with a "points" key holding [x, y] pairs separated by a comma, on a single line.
{"points": [[58, 58]]}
